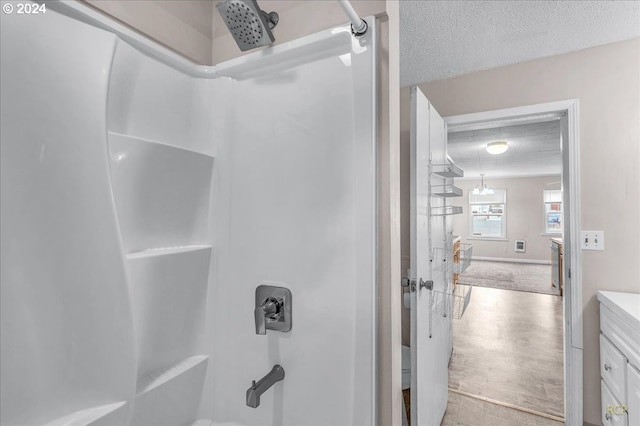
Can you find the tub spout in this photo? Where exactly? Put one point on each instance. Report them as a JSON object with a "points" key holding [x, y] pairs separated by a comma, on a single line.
{"points": [[253, 393]]}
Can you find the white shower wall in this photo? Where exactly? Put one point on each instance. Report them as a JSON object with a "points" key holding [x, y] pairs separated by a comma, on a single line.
{"points": [[66, 340], [161, 163], [296, 208], [194, 188]]}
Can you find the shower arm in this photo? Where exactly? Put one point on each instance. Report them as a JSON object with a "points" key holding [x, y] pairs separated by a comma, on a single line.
{"points": [[358, 26]]}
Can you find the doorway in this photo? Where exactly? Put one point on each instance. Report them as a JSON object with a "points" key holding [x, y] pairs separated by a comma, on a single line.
{"points": [[566, 114]]}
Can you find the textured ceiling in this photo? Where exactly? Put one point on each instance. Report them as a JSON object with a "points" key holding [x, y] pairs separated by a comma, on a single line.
{"points": [[440, 39], [534, 150]]}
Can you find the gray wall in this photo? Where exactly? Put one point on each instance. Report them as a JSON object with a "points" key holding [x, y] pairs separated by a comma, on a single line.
{"points": [[184, 26], [525, 220]]}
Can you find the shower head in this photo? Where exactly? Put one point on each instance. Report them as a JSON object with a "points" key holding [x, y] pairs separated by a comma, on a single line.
{"points": [[249, 26]]}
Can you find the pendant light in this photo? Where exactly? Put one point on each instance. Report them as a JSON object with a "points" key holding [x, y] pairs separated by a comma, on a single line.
{"points": [[482, 189]]}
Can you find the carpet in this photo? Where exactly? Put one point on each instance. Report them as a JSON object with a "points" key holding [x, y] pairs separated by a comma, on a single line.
{"points": [[533, 278]]}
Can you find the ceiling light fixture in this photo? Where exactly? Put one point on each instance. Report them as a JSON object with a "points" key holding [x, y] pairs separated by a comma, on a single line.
{"points": [[482, 189], [497, 147]]}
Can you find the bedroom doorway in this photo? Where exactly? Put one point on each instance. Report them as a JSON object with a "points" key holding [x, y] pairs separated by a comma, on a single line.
{"points": [[517, 344]]}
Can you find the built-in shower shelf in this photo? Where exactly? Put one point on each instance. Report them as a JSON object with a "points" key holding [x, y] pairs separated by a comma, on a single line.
{"points": [[137, 139], [171, 396], [88, 416], [167, 330], [162, 193], [165, 251], [164, 376]]}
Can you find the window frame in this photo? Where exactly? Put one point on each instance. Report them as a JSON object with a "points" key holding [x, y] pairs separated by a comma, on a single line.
{"points": [[554, 197], [473, 201]]}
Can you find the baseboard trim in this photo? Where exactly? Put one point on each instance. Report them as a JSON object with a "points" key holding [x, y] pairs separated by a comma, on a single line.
{"points": [[512, 260], [506, 404]]}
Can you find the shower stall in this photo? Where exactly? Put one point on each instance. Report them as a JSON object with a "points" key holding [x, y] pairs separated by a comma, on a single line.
{"points": [[144, 199]]}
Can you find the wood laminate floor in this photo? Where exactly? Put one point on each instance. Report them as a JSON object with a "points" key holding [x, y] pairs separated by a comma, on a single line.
{"points": [[508, 347], [466, 411]]}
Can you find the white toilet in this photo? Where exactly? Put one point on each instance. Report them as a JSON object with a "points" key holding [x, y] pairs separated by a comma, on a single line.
{"points": [[406, 377], [406, 367]]}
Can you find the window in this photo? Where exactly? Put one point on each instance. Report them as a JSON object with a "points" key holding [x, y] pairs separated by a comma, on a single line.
{"points": [[488, 215], [552, 211]]}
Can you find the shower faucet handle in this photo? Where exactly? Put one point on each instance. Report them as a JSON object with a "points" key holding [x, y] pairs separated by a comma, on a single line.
{"points": [[269, 310], [272, 309]]}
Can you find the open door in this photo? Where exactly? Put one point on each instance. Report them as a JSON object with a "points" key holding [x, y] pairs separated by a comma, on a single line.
{"points": [[431, 237]]}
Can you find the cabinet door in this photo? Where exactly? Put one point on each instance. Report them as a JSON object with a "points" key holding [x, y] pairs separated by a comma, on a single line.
{"points": [[613, 367], [613, 413], [633, 395], [555, 265]]}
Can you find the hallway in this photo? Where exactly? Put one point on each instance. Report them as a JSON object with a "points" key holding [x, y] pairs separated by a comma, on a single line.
{"points": [[508, 347]]}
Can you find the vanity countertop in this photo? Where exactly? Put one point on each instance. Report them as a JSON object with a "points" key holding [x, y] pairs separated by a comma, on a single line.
{"points": [[626, 305]]}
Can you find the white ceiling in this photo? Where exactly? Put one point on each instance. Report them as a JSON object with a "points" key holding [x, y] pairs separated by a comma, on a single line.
{"points": [[440, 39], [534, 150]]}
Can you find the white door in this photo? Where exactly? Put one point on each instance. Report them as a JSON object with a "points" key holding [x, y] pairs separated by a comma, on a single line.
{"points": [[430, 326]]}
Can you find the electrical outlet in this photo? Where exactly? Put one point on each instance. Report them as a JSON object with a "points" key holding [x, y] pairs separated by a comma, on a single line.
{"points": [[592, 240]]}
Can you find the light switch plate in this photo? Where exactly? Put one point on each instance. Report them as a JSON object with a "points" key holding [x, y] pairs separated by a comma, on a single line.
{"points": [[592, 240]]}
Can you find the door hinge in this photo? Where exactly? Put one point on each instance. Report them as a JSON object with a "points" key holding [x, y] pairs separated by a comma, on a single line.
{"points": [[569, 273]]}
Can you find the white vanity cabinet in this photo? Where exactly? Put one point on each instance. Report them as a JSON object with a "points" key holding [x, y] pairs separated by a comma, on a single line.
{"points": [[633, 395], [620, 358]]}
